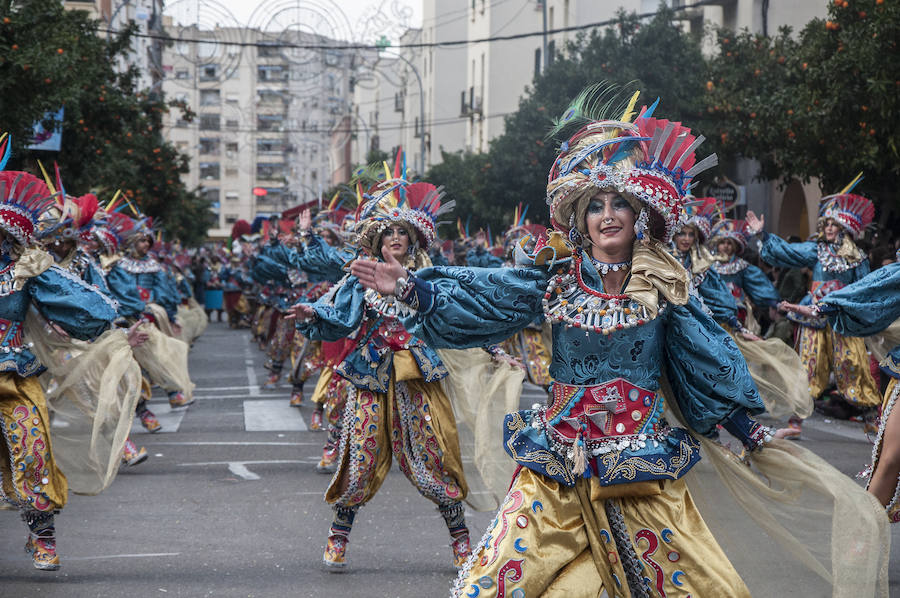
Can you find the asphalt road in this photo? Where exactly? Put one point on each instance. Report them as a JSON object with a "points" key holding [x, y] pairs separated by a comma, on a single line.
{"points": [[230, 504]]}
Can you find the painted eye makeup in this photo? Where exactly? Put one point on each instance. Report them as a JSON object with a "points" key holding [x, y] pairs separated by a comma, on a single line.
{"points": [[596, 206]]}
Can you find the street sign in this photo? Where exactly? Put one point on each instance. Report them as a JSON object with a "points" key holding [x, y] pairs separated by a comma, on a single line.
{"points": [[726, 192]]}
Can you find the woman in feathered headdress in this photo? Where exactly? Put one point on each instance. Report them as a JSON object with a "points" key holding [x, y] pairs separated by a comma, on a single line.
{"points": [[835, 261], [31, 478], [600, 501], [396, 377]]}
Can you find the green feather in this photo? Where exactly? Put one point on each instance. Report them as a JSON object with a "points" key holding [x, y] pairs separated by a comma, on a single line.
{"points": [[600, 101]]}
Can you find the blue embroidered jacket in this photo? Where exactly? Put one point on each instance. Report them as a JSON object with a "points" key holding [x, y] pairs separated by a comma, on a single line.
{"points": [[135, 282], [473, 307], [62, 298], [713, 291]]}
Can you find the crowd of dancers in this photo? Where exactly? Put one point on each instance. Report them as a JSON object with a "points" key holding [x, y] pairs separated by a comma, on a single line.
{"points": [[636, 312]]}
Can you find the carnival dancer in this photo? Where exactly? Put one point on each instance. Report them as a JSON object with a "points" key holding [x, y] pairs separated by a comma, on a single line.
{"points": [[398, 405], [102, 375], [29, 476], [864, 308], [134, 281], [602, 483], [776, 369], [835, 261]]}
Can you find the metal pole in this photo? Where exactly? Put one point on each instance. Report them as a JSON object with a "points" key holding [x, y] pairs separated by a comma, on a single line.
{"points": [[544, 36]]}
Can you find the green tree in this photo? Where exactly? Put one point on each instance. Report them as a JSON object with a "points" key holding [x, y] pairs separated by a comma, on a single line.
{"points": [[824, 104], [52, 58]]}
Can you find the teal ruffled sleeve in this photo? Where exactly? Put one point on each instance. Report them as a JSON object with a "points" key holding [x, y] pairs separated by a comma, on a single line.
{"points": [[123, 287], [165, 293], [758, 287], [867, 306], [708, 373], [77, 307], [320, 260], [339, 312], [778, 252], [475, 307]]}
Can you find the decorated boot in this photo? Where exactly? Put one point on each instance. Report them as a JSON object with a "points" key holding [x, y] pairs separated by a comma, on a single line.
{"points": [[315, 423], [131, 455], [454, 515], [41, 544], [297, 395], [149, 421], [461, 550], [177, 400], [328, 462], [335, 557]]}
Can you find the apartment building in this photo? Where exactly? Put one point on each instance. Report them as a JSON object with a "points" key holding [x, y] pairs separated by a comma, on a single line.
{"points": [[260, 140]]}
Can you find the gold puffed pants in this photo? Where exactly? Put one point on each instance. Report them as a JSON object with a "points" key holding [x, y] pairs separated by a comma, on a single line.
{"points": [[550, 541], [412, 422], [824, 351], [29, 477]]}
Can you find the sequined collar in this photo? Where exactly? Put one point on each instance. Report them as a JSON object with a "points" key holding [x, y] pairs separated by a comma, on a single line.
{"points": [[145, 265], [830, 260], [734, 266], [569, 301]]}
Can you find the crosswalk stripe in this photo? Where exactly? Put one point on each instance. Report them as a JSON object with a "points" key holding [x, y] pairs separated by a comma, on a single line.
{"points": [[272, 416]]}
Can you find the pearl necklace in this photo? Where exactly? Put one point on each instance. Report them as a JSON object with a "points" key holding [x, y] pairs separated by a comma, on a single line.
{"points": [[568, 300]]}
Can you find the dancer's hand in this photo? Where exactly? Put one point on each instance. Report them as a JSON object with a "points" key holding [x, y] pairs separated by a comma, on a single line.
{"points": [[749, 336], [136, 337], [300, 311], [304, 220], [755, 224], [176, 329], [381, 276], [803, 310]]}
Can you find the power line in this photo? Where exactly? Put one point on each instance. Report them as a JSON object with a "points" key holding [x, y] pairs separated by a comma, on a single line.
{"points": [[461, 42]]}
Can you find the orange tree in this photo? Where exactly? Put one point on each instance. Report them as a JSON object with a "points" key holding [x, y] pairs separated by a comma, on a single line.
{"points": [[824, 103], [111, 135]]}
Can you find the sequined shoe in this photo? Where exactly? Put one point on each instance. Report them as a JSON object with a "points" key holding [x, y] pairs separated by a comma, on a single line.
{"points": [[272, 382], [315, 422], [328, 463], [131, 455], [335, 557], [149, 421], [296, 398], [461, 551], [43, 552], [177, 400]]}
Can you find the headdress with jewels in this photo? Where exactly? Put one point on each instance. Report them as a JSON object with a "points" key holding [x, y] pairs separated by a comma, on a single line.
{"points": [[72, 217], [113, 230], [700, 213], [650, 159], [736, 230], [24, 199], [853, 212], [396, 200]]}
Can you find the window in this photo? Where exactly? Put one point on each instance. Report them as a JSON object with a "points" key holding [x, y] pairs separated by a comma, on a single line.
{"points": [[209, 170], [209, 97], [231, 218], [209, 122], [182, 74], [232, 98], [231, 172], [270, 145], [231, 124], [270, 171], [231, 146], [232, 196], [211, 194], [272, 97], [181, 146], [271, 72], [267, 51], [537, 62], [209, 145], [269, 122], [551, 50], [209, 72]]}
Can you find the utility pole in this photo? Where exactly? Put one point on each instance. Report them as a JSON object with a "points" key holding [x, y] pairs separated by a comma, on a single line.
{"points": [[544, 36]]}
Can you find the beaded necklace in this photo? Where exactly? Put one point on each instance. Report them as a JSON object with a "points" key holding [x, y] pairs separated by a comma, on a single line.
{"points": [[605, 268], [568, 300], [832, 262]]}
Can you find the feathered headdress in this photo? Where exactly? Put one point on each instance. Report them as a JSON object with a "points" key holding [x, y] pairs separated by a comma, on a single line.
{"points": [[853, 212], [419, 205], [700, 213], [24, 199], [736, 230], [113, 230], [650, 159], [73, 217]]}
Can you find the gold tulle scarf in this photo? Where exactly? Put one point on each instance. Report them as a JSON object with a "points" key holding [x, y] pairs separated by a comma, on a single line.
{"points": [[655, 272]]}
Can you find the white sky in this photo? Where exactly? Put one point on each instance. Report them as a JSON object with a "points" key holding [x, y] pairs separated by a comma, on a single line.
{"points": [[355, 20]]}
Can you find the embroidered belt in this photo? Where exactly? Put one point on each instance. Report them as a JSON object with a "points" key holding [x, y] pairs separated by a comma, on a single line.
{"points": [[612, 415], [10, 336], [820, 288]]}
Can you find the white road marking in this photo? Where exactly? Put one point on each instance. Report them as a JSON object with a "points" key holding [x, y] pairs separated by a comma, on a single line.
{"points": [[268, 395], [121, 556], [169, 419], [235, 443], [251, 373], [240, 470], [272, 416]]}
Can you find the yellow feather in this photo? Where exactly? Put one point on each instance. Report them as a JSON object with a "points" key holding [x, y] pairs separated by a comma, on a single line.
{"points": [[46, 177], [629, 111], [850, 185]]}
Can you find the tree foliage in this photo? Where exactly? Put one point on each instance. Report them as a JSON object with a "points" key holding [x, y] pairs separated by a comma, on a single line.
{"points": [[111, 134], [824, 103]]}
